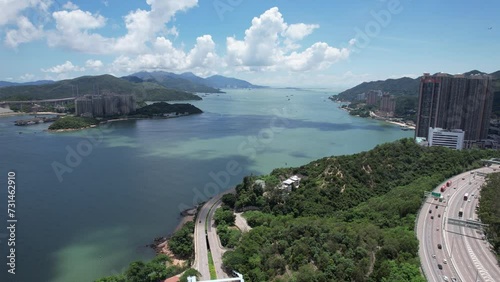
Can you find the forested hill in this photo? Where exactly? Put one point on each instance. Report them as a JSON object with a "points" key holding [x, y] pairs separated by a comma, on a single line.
{"points": [[351, 218], [91, 85], [399, 86]]}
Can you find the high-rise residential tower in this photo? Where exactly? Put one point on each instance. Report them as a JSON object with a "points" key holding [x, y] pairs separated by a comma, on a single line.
{"points": [[455, 102]]}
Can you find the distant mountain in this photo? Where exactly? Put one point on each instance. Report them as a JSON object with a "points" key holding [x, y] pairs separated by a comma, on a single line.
{"points": [[495, 75], [190, 82], [175, 81], [38, 82], [92, 85], [195, 79], [219, 81]]}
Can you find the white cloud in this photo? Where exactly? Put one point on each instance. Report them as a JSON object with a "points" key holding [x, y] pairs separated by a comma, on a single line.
{"points": [[76, 20], [143, 26], [73, 32], [25, 32], [26, 77], [203, 53], [268, 42], [319, 56], [165, 56], [11, 9], [93, 64], [63, 68], [299, 31], [70, 6], [20, 29], [260, 48]]}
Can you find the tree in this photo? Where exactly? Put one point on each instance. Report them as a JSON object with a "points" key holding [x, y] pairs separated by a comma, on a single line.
{"points": [[181, 243], [224, 216], [229, 200], [188, 273]]}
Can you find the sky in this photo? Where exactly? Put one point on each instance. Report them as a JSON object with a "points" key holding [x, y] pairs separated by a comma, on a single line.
{"points": [[283, 43]]}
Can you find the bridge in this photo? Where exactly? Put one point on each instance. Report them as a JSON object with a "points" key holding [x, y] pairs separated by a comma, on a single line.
{"points": [[239, 278], [491, 161], [6, 104]]}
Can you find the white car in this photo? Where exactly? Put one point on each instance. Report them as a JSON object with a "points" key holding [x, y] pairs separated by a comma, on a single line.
{"points": [[445, 261], [445, 278]]}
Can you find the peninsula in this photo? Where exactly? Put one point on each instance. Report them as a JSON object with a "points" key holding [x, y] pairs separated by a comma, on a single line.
{"points": [[155, 110]]}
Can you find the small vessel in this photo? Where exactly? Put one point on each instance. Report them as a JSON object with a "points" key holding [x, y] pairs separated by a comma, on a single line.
{"points": [[405, 127]]}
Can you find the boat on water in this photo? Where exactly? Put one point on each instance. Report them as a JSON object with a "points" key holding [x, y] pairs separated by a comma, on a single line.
{"points": [[405, 127]]}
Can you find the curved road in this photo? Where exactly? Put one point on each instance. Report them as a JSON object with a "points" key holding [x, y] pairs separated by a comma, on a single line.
{"points": [[200, 239], [464, 255]]}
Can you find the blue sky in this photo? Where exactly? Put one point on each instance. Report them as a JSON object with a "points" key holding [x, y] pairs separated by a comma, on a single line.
{"points": [[333, 44]]}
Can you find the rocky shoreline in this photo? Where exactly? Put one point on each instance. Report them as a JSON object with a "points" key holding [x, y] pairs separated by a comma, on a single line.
{"points": [[160, 244]]}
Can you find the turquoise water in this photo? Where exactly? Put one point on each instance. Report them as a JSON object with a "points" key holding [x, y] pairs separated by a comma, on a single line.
{"points": [[115, 188]]}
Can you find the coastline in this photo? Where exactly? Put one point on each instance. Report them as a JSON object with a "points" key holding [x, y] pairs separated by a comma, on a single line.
{"points": [[406, 126], [114, 120], [8, 114], [70, 129], [11, 114]]}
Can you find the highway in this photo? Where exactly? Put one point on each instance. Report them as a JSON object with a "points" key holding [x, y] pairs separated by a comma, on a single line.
{"points": [[463, 256], [200, 239], [214, 241]]}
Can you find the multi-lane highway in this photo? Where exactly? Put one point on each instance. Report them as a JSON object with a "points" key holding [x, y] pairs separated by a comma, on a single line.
{"points": [[214, 241], [200, 239], [451, 252]]}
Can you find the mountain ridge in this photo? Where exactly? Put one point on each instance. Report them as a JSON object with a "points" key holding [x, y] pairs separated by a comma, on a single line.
{"points": [[398, 87], [94, 85]]}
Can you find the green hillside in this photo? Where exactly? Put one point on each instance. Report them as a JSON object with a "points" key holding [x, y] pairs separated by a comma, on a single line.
{"points": [[93, 84], [158, 109], [400, 86], [351, 219]]}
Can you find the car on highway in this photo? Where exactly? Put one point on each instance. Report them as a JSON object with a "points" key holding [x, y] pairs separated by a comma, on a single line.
{"points": [[439, 215], [445, 278], [453, 279], [445, 261], [430, 211], [436, 206], [432, 217], [439, 246], [440, 266]]}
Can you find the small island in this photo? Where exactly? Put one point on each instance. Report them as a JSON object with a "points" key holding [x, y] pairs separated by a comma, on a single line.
{"points": [[73, 123], [163, 109], [155, 110]]}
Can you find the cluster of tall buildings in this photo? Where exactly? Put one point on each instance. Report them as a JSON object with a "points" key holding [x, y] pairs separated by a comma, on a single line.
{"points": [[386, 103], [105, 105], [452, 104]]}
